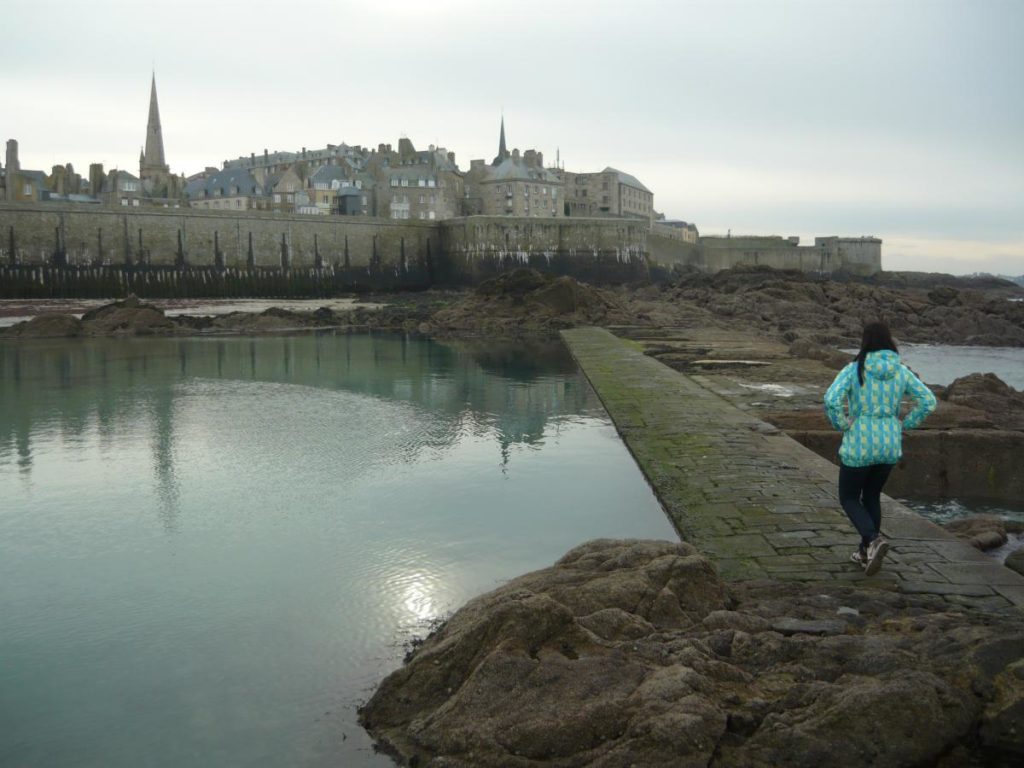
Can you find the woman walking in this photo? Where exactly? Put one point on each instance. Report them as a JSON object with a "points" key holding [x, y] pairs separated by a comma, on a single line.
{"points": [[872, 388]]}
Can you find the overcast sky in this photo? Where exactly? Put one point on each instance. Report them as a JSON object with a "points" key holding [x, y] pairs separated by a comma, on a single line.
{"points": [[902, 119]]}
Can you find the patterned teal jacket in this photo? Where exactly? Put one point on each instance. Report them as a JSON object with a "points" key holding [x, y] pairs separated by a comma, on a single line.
{"points": [[873, 433]]}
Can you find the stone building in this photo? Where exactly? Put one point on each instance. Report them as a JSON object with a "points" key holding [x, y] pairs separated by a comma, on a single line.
{"points": [[513, 185], [334, 189], [608, 193], [676, 229], [415, 184], [22, 185], [233, 189]]}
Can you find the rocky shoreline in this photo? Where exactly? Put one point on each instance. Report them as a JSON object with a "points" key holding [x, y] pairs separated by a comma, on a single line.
{"points": [[814, 313], [635, 653]]}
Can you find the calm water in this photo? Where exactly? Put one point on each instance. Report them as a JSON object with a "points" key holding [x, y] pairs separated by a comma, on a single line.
{"points": [[941, 364], [212, 549]]}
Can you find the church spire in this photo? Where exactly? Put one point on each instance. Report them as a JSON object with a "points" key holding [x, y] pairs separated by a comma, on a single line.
{"points": [[154, 154], [502, 150]]}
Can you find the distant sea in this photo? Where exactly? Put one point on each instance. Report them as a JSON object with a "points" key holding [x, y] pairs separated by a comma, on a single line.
{"points": [[942, 363]]}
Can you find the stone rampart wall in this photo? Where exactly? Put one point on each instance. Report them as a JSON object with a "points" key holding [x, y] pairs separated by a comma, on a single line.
{"points": [[48, 234], [596, 250], [832, 255]]}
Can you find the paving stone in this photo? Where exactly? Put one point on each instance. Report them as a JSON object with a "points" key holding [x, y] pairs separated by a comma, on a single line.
{"points": [[1015, 594], [741, 544], [976, 573], [931, 588], [738, 569]]}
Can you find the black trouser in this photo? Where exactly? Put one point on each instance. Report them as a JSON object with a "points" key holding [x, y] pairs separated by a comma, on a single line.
{"points": [[860, 490]]}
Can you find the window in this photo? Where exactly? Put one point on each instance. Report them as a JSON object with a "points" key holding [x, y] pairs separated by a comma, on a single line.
{"points": [[422, 199], [394, 181], [405, 182], [431, 215]]}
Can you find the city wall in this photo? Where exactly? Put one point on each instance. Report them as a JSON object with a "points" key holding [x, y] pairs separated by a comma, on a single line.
{"points": [[594, 250], [71, 250], [828, 255], [54, 250]]}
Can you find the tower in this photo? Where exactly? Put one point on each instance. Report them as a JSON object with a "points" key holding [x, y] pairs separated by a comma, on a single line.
{"points": [[154, 172], [502, 149], [151, 161]]}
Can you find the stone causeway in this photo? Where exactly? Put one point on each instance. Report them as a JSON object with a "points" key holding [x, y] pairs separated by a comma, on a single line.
{"points": [[759, 503]]}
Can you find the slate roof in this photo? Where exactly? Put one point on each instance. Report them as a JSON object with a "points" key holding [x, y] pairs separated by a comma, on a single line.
{"points": [[510, 169], [625, 178], [224, 181], [325, 174]]}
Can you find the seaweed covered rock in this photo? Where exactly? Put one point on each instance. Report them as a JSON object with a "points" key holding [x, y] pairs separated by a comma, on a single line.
{"points": [[130, 317], [635, 653], [526, 300], [47, 326]]}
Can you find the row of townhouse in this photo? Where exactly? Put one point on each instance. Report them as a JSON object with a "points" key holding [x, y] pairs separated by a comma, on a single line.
{"points": [[341, 180], [406, 183]]}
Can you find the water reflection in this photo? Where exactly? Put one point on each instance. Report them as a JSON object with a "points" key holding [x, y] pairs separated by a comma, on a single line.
{"points": [[511, 389]]}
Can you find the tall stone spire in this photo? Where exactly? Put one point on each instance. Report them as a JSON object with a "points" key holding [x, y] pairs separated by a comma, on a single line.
{"points": [[153, 158], [502, 151]]}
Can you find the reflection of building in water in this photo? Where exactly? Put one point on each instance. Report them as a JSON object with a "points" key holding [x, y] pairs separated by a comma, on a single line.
{"points": [[483, 387], [167, 490]]}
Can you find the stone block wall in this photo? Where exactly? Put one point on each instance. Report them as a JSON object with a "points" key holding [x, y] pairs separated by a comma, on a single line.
{"points": [[45, 234], [828, 255], [596, 250]]}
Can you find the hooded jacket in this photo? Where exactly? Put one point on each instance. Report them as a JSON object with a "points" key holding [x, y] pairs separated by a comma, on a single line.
{"points": [[872, 430]]}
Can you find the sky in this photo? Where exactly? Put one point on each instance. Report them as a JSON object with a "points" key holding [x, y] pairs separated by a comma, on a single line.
{"points": [[902, 119]]}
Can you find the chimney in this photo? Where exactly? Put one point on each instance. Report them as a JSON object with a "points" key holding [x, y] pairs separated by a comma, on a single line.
{"points": [[515, 154], [451, 158], [266, 157], [12, 156], [252, 159], [95, 179]]}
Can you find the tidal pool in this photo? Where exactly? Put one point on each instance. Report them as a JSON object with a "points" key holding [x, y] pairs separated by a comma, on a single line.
{"points": [[211, 550]]}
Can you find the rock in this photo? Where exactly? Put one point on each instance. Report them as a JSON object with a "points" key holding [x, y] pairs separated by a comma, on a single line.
{"points": [[48, 326], [988, 393], [981, 531], [129, 317], [788, 626], [634, 653], [1015, 561], [833, 358], [526, 300], [944, 296]]}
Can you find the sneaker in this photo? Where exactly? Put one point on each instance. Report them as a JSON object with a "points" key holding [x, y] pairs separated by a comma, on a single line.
{"points": [[860, 557], [876, 551]]}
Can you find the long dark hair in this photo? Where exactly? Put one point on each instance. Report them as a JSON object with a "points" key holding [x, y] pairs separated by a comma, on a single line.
{"points": [[876, 337]]}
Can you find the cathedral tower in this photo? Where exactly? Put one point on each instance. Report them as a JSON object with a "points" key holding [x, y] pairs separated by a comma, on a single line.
{"points": [[153, 169]]}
